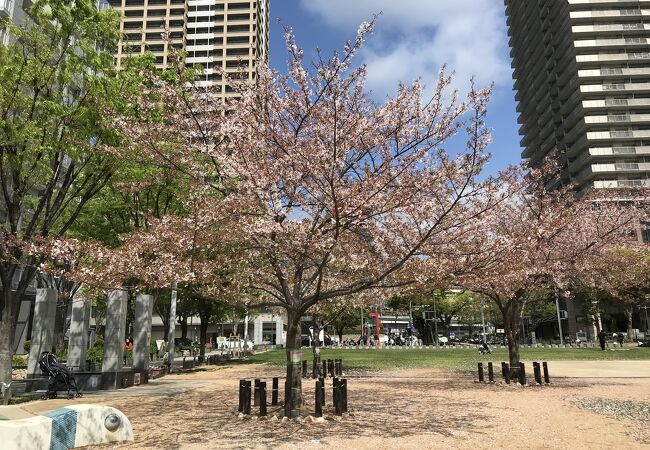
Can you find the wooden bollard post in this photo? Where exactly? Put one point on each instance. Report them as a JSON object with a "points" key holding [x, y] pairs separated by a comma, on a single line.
{"points": [[547, 380], [274, 392], [324, 374], [344, 394], [322, 387], [319, 400], [256, 393], [490, 372], [247, 398], [340, 366], [304, 368], [287, 393], [262, 398], [330, 367], [538, 372], [505, 367], [336, 394], [481, 378], [522, 373], [242, 387]]}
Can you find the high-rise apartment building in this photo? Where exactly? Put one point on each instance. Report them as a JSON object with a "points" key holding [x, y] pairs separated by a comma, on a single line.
{"points": [[582, 81], [12, 10], [214, 33]]}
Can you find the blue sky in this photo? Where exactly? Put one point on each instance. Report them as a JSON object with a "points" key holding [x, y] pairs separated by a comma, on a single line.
{"points": [[412, 39]]}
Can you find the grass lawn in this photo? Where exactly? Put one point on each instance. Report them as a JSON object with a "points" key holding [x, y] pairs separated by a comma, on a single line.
{"points": [[461, 359]]}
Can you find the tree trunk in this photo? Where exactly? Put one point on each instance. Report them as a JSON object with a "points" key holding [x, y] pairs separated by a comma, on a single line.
{"points": [[7, 330], [339, 333], [629, 312], [183, 323], [294, 361], [60, 326], [165, 322], [315, 345], [512, 327], [204, 333], [447, 325]]}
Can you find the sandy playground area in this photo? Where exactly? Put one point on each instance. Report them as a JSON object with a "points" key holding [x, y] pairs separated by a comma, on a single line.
{"points": [[423, 408]]}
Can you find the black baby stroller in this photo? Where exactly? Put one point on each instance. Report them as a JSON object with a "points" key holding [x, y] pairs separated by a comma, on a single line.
{"points": [[59, 378]]}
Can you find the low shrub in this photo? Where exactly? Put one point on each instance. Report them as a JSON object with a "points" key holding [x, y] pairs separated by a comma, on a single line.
{"points": [[95, 354], [19, 361]]}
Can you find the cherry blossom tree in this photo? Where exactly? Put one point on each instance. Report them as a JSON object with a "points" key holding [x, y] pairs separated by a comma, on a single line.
{"points": [[540, 237], [304, 190], [337, 194]]}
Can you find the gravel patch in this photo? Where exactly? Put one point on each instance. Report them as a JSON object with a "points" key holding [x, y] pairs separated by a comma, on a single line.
{"points": [[619, 409]]}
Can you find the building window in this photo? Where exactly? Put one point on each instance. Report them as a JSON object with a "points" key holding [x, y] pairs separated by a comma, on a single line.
{"points": [[237, 52], [238, 28], [239, 16], [239, 6], [239, 40]]}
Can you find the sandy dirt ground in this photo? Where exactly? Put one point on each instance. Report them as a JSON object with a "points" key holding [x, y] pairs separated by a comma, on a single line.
{"points": [[422, 408]]}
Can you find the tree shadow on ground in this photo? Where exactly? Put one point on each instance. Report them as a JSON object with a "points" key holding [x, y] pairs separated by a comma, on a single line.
{"points": [[389, 408]]}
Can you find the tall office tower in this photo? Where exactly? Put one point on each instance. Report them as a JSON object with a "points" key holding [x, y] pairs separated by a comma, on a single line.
{"points": [[582, 81], [215, 33]]}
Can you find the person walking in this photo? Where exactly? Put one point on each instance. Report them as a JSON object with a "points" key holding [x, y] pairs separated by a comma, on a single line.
{"points": [[602, 339]]}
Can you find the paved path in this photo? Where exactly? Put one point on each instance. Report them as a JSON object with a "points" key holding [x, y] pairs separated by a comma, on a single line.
{"points": [[163, 387], [599, 369]]}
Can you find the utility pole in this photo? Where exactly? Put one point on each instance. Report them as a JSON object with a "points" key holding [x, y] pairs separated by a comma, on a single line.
{"points": [[559, 319], [435, 318]]}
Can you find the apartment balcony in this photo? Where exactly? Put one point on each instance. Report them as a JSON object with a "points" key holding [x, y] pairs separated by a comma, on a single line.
{"points": [[613, 57], [618, 119], [614, 88], [610, 170], [612, 184], [609, 14], [595, 154], [620, 151], [621, 103], [615, 72], [611, 43], [199, 48], [622, 167], [601, 3], [598, 138], [203, 13], [613, 135], [616, 29]]}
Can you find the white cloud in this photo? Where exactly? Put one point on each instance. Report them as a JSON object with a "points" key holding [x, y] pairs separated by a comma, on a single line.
{"points": [[414, 38]]}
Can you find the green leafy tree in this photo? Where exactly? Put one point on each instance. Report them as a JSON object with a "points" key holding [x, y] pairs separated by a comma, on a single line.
{"points": [[56, 154]]}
